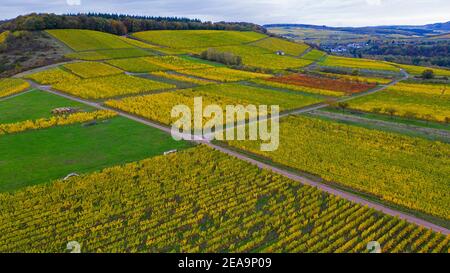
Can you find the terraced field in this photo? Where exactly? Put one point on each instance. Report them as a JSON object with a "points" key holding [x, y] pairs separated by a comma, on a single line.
{"points": [[416, 101], [410, 172], [197, 38], [275, 44], [84, 40], [417, 70], [335, 61], [223, 74], [158, 107], [10, 87], [197, 199], [235, 207], [260, 57], [92, 69]]}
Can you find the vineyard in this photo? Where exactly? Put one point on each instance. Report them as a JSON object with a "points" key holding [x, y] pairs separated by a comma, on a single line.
{"points": [[181, 77], [324, 83], [197, 38], [416, 101], [303, 89], [136, 65], [224, 74], [3, 36], [84, 40], [10, 87], [53, 76], [260, 57], [92, 69], [158, 107], [108, 54], [314, 55], [417, 70], [151, 206], [334, 61], [410, 172], [360, 79], [112, 86], [275, 44], [362, 128], [42, 123]]}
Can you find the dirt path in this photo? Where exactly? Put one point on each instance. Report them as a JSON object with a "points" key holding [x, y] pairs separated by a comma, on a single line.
{"points": [[40, 69]]}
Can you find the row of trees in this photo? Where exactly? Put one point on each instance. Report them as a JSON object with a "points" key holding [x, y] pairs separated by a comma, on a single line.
{"points": [[117, 24], [227, 58]]}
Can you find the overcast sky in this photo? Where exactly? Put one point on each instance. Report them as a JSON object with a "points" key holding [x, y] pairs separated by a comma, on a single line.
{"points": [[320, 12]]}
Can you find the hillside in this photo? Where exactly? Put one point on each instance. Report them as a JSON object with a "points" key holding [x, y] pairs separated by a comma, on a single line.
{"points": [[90, 156]]}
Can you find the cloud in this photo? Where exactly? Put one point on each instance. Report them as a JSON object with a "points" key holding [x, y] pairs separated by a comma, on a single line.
{"points": [[73, 2], [374, 2], [321, 12]]}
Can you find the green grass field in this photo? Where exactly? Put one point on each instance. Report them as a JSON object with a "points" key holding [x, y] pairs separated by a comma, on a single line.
{"points": [[34, 105], [40, 156]]}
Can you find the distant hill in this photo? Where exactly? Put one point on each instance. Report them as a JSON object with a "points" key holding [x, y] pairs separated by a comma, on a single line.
{"points": [[430, 29]]}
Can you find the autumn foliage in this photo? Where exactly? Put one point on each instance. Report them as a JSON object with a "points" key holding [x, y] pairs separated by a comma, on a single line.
{"points": [[340, 85]]}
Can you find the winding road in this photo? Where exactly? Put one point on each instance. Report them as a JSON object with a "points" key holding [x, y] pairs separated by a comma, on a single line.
{"points": [[294, 176]]}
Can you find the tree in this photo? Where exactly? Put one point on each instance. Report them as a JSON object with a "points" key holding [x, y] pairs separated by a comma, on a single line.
{"points": [[391, 112], [343, 106], [428, 74]]}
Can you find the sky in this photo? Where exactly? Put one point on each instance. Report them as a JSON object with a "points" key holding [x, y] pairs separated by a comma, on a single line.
{"points": [[318, 12]]}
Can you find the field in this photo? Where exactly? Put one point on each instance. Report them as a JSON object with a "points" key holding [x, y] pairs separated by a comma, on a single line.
{"points": [[303, 89], [406, 171], [35, 157], [53, 76], [353, 78], [260, 57], [34, 105], [84, 40], [417, 70], [158, 107], [112, 86], [236, 207], [11, 86], [197, 38], [314, 55], [43, 123], [92, 69], [276, 44], [339, 85], [3, 36], [181, 77], [417, 101], [108, 54], [136, 65], [366, 64], [177, 63], [223, 74], [372, 148]]}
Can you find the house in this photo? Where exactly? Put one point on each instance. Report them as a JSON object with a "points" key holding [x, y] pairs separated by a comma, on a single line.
{"points": [[280, 53]]}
